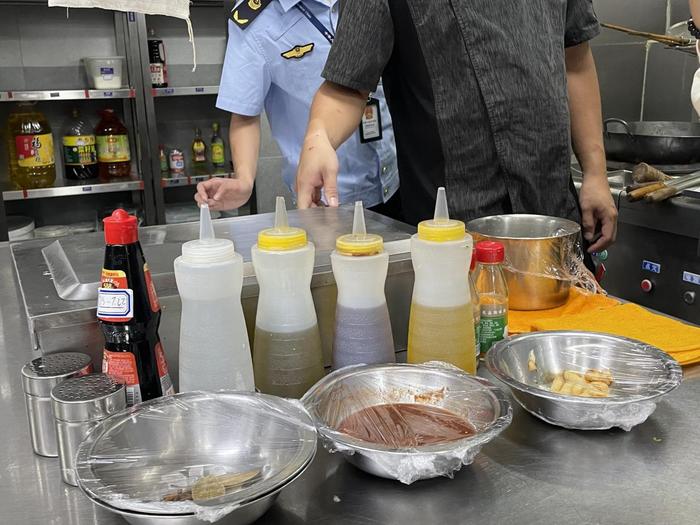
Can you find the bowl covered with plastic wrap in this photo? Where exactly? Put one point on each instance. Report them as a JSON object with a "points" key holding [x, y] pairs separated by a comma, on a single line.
{"points": [[407, 422], [584, 380]]}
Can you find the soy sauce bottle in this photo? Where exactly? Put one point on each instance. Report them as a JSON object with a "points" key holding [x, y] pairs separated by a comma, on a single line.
{"points": [[129, 314]]}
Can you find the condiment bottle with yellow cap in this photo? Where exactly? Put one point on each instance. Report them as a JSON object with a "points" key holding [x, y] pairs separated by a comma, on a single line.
{"points": [[441, 326], [362, 324], [287, 356]]}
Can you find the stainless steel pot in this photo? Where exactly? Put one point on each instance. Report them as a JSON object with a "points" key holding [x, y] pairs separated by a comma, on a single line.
{"points": [[652, 142], [539, 253]]}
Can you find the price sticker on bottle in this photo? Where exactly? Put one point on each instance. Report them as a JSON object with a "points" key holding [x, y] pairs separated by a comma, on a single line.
{"points": [[115, 304]]}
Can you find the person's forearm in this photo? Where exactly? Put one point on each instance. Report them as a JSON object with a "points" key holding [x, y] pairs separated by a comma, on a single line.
{"points": [[244, 137], [695, 10], [336, 112], [585, 109]]}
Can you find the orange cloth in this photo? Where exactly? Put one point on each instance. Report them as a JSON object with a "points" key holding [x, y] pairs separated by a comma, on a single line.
{"points": [[579, 301], [680, 340]]}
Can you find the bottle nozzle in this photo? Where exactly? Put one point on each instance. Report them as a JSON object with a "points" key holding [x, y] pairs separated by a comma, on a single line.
{"points": [[442, 214], [358, 222], [206, 228], [281, 222]]}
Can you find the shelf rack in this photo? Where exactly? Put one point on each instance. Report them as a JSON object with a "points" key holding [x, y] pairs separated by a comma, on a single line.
{"points": [[74, 188], [67, 94]]}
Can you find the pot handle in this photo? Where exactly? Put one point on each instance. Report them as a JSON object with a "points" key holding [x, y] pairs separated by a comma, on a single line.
{"points": [[624, 123]]}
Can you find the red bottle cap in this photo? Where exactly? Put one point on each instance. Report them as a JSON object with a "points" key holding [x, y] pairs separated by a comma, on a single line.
{"points": [[121, 228], [490, 252]]}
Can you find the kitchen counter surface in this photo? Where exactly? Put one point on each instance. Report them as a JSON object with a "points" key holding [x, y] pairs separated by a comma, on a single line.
{"points": [[532, 474]]}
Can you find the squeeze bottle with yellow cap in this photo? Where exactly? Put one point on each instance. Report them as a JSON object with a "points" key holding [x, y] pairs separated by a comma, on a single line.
{"points": [[362, 324], [441, 326], [287, 356]]}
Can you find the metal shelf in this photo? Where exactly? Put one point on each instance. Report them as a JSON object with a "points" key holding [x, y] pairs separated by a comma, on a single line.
{"points": [[185, 91], [67, 94], [191, 180], [74, 188]]}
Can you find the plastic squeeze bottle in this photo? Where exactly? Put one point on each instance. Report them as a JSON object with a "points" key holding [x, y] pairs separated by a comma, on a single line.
{"points": [[476, 306], [441, 325], [362, 325], [491, 285], [214, 347], [287, 350]]}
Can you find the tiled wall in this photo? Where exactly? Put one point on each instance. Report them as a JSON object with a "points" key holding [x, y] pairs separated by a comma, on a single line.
{"points": [[621, 60]]}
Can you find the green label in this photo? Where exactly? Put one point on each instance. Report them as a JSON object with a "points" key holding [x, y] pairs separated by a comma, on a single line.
{"points": [[492, 330], [79, 150], [477, 337], [217, 153]]}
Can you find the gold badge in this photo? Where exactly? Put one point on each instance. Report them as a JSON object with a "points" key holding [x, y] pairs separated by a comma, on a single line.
{"points": [[239, 21], [298, 51], [255, 4]]}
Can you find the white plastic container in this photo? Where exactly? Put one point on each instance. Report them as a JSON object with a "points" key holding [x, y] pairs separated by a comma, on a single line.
{"points": [[105, 72], [214, 347], [287, 348], [441, 325], [362, 323]]}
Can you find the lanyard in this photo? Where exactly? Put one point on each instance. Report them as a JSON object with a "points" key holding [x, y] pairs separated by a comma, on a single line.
{"points": [[315, 21]]}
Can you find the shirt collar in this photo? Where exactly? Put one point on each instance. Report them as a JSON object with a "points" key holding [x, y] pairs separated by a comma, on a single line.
{"points": [[288, 4]]}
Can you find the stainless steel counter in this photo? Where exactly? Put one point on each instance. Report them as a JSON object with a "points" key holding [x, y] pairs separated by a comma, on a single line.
{"points": [[532, 474]]}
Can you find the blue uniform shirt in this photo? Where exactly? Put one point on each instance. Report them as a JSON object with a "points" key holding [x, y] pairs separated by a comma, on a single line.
{"points": [[256, 76]]}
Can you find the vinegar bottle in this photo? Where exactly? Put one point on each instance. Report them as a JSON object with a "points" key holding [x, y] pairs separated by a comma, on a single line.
{"points": [[441, 325], [214, 347], [362, 324], [287, 354]]}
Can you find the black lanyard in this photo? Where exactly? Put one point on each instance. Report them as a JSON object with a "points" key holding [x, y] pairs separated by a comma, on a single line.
{"points": [[315, 21]]}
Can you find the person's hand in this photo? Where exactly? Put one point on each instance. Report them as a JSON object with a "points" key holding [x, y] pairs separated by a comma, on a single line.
{"points": [[318, 169], [224, 194], [599, 214]]}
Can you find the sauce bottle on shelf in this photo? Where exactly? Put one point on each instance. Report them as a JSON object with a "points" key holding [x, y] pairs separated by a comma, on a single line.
{"points": [[199, 153], [476, 305], [214, 347], [129, 314], [30, 148], [362, 324], [287, 354], [113, 154], [441, 325], [156, 55], [79, 151], [492, 287], [218, 153]]}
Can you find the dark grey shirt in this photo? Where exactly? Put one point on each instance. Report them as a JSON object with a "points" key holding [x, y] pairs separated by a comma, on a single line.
{"points": [[477, 92]]}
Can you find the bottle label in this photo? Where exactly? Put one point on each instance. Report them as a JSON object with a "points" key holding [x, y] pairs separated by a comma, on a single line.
{"points": [[166, 384], [122, 367], [151, 289], [157, 73], [115, 300], [217, 154], [477, 337], [79, 150], [492, 329], [113, 148], [199, 153], [34, 151]]}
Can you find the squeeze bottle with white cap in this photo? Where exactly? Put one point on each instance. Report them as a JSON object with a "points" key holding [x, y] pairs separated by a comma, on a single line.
{"points": [[214, 347], [287, 348], [362, 324], [441, 325]]}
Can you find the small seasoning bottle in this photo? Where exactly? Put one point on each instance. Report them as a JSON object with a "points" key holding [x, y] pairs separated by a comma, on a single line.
{"points": [[490, 283]]}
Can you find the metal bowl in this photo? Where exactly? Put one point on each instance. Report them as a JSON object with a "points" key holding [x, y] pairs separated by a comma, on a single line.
{"points": [[540, 253], [353, 388], [132, 459], [641, 375]]}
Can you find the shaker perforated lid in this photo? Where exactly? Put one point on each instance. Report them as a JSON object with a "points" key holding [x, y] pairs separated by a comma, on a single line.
{"points": [[40, 375], [87, 398]]}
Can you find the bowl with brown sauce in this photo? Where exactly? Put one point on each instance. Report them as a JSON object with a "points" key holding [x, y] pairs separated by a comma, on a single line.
{"points": [[407, 422]]}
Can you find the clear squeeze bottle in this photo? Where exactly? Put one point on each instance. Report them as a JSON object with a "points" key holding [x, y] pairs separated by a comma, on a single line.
{"points": [[362, 324], [493, 293], [287, 354], [476, 306], [214, 347], [441, 325]]}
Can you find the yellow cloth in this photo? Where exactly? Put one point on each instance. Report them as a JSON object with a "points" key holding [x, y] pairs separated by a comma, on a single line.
{"points": [[579, 301], [680, 340]]}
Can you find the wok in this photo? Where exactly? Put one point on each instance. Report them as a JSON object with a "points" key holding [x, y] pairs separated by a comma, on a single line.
{"points": [[652, 142]]}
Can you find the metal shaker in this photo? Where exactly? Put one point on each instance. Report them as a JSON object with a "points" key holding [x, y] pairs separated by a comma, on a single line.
{"points": [[39, 377], [79, 404]]}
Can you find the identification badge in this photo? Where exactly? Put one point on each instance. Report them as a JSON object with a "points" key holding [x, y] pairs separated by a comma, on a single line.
{"points": [[371, 125]]}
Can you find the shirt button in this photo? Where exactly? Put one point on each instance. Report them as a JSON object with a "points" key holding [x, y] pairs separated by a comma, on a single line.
{"points": [[384, 169], [386, 191]]}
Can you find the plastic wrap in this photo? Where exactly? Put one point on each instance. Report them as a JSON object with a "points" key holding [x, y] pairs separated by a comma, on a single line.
{"points": [[196, 453], [613, 381], [368, 397]]}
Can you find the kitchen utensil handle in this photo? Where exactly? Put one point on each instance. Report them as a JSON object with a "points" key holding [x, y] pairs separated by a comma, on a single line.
{"points": [[637, 194], [624, 123], [661, 195]]}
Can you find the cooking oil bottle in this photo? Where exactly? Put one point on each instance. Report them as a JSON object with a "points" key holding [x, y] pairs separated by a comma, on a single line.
{"points": [[441, 325], [30, 148], [287, 357]]}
